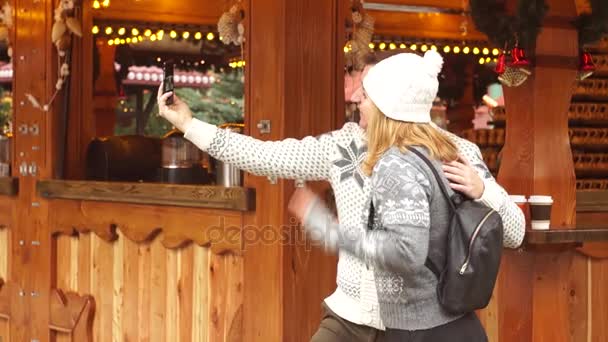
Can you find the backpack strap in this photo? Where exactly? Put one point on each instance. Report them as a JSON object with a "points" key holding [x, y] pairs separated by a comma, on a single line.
{"points": [[428, 262], [444, 190]]}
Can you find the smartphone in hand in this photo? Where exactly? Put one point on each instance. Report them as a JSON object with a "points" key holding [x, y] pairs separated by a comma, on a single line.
{"points": [[168, 79]]}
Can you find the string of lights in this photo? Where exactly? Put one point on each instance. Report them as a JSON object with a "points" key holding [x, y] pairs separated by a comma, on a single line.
{"points": [[487, 54]]}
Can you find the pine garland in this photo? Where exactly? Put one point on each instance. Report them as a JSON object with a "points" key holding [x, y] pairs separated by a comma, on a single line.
{"points": [[507, 30], [593, 26]]}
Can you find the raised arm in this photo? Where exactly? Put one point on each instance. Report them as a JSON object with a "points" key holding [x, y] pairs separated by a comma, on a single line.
{"points": [[305, 159]]}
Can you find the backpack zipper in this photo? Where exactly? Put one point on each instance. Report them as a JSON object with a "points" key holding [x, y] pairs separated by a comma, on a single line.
{"points": [[475, 233]]}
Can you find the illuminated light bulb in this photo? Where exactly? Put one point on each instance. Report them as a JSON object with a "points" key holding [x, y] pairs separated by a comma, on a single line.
{"points": [[96, 4], [485, 51], [423, 48], [456, 49], [446, 49], [95, 29], [134, 32], [372, 45], [482, 60], [413, 47], [466, 50], [108, 30], [495, 52], [210, 36], [186, 35], [121, 31], [476, 51], [392, 46], [147, 32], [198, 36]]}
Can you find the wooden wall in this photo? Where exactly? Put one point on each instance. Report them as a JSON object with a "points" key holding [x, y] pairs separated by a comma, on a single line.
{"points": [[146, 292]]}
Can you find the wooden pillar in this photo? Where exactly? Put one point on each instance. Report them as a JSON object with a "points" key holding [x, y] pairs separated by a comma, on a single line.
{"points": [[294, 75], [535, 294], [34, 61]]}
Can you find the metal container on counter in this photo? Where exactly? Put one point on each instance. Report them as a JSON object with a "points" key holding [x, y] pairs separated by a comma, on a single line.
{"points": [[5, 156], [182, 161], [226, 174]]}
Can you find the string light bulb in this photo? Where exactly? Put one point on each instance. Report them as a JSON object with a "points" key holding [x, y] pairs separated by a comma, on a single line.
{"points": [[121, 31], [382, 46], [95, 29], [466, 50], [433, 47], [96, 4], [108, 30], [105, 3], [147, 32], [485, 51], [476, 51], [210, 36], [173, 34], [372, 45], [392, 46], [413, 47], [495, 52], [186, 35], [198, 36], [456, 49], [402, 46], [446, 49], [482, 61], [134, 31], [424, 48]]}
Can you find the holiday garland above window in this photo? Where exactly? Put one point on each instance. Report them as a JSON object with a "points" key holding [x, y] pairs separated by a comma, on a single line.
{"points": [[508, 30]]}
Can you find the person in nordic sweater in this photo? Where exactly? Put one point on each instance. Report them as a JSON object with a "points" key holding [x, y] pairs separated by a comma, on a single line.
{"points": [[406, 201], [337, 158]]}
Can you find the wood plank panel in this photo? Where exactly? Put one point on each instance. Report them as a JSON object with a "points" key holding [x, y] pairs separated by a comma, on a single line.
{"points": [[102, 287], [5, 252], [131, 287], [578, 297], [172, 318], [158, 290], [185, 291], [598, 322], [200, 297], [152, 293]]}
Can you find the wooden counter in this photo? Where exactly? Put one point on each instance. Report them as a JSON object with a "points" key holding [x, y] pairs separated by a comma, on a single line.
{"points": [[213, 197], [9, 186]]}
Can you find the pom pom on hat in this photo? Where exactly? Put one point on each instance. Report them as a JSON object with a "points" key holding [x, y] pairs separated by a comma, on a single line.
{"points": [[404, 86], [433, 62]]}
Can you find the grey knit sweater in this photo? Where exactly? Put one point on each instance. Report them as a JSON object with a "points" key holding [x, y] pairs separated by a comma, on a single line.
{"points": [[407, 201]]}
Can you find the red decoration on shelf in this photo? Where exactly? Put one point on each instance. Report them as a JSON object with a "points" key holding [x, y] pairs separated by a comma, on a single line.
{"points": [[518, 58], [586, 62], [501, 65]]}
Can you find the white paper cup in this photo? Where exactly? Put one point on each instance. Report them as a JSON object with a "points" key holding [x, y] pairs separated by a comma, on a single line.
{"points": [[540, 211]]}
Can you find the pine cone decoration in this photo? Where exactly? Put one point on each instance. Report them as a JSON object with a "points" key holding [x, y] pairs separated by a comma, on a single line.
{"points": [[227, 26]]}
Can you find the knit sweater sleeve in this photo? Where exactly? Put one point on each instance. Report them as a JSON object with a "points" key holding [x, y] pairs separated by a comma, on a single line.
{"points": [[497, 198], [305, 159], [399, 243]]}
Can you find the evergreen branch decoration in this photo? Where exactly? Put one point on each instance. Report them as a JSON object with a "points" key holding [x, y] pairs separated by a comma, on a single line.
{"points": [[593, 26], [508, 30]]}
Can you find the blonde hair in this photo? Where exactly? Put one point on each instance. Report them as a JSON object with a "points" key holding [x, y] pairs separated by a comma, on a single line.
{"points": [[384, 132]]}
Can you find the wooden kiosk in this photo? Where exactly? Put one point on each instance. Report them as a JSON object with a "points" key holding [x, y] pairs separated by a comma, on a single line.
{"points": [[103, 261]]}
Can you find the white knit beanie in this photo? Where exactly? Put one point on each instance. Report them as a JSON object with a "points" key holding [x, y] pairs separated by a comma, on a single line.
{"points": [[404, 86]]}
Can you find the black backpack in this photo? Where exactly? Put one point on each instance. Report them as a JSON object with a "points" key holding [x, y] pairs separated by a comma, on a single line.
{"points": [[474, 248]]}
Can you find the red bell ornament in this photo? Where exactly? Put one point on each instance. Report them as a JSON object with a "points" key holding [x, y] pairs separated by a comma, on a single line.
{"points": [[518, 58], [501, 65]]}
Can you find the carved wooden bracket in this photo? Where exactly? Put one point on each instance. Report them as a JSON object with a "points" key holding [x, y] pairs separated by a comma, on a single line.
{"points": [[72, 314], [221, 230]]}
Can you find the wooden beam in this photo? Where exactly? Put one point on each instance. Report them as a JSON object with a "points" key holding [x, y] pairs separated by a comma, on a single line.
{"points": [[213, 197], [446, 4], [561, 236], [420, 25], [170, 12]]}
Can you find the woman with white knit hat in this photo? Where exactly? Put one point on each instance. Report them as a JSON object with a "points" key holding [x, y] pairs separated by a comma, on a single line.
{"points": [[405, 201], [361, 308]]}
